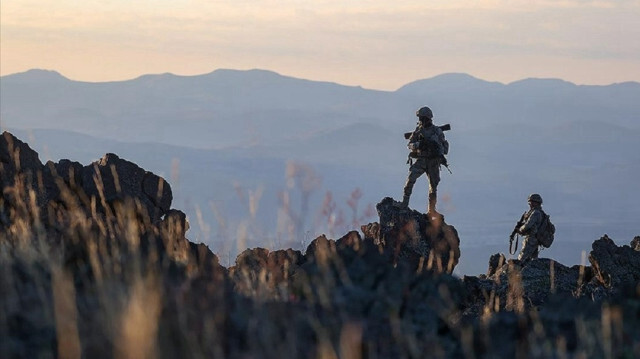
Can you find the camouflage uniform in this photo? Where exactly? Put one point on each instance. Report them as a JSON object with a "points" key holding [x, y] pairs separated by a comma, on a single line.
{"points": [[529, 229], [429, 158]]}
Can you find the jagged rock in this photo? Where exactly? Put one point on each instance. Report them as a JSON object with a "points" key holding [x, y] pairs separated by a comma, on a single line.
{"points": [[113, 179], [543, 277], [359, 279], [282, 264], [120, 281], [69, 171], [350, 240], [371, 231], [614, 266], [496, 262], [513, 286], [61, 178], [158, 191], [417, 238], [635, 243], [20, 173], [262, 273], [97, 265], [253, 260], [206, 261], [320, 249], [16, 156], [195, 257]]}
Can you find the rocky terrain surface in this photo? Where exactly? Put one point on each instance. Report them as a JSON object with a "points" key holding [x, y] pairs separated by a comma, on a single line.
{"points": [[95, 263]]}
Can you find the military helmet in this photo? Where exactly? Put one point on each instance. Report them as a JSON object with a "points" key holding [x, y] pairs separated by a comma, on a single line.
{"points": [[534, 197], [424, 112]]}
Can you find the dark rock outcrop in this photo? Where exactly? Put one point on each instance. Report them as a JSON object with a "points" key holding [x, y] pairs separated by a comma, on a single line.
{"points": [[496, 262], [21, 175], [262, 273], [79, 242], [113, 179], [17, 157], [613, 269], [422, 240], [95, 263], [614, 266], [98, 186]]}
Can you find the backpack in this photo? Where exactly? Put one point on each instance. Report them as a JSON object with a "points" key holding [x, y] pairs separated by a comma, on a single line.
{"points": [[546, 231]]}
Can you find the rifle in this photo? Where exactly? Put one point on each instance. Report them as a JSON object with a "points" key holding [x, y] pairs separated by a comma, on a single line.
{"points": [[514, 234], [446, 127], [443, 161]]}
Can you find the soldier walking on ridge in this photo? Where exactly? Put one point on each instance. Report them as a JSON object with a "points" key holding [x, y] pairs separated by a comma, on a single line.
{"points": [[428, 146], [536, 228]]}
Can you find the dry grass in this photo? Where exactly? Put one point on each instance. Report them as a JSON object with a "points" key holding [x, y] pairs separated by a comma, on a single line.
{"points": [[85, 282]]}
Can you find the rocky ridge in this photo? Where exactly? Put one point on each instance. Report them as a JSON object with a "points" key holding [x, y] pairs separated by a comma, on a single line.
{"points": [[96, 263]]}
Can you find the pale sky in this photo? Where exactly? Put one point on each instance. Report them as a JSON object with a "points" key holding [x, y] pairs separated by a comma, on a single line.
{"points": [[375, 44]]}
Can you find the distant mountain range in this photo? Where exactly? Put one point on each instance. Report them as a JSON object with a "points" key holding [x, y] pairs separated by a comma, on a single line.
{"points": [[228, 131], [228, 107]]}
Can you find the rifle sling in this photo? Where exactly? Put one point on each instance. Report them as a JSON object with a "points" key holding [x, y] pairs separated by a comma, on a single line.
{"points": [[514, 250]]}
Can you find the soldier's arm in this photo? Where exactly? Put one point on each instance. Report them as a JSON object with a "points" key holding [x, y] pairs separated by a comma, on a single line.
{"points": [[415, 135], [532, 223]]}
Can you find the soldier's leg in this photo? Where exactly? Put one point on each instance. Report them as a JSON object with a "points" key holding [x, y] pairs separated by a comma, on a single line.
{"points": [[529, 249], [433, 172], [415, 171], [536, 250]]}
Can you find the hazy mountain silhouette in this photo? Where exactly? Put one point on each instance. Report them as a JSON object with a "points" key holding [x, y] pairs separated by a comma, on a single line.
{"points": [[234, 107], [231, 107], [232, 131]]}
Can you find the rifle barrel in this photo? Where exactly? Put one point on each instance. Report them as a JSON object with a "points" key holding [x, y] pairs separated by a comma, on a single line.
{"points": [[446, 127]]}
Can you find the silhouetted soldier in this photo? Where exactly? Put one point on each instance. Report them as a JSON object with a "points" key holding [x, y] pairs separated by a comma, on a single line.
{"points": [[529, 226], [428, 146]]}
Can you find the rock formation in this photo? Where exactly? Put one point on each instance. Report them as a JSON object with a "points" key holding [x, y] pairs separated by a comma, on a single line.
{"points": [[99, 186], [94, 263], [416, 238]]}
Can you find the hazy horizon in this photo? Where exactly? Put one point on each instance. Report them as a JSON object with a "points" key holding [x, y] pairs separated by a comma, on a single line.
{"points": [[316, 80], [374, 44]]}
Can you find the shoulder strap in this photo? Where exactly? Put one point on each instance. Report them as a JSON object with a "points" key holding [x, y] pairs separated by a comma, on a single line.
{"points": [[545, 220]]}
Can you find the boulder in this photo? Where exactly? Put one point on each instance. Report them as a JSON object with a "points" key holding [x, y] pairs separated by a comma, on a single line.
{"points": [[113, 179], [612, 265], [423, 240]]}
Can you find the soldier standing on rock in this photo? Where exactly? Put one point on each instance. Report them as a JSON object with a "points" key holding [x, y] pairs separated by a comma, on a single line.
{"points": [[528, 226], [428, 145]]}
